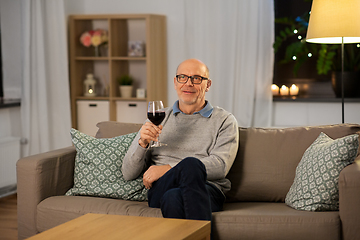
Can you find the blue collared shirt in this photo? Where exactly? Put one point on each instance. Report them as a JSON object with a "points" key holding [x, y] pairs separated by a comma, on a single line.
{"points": [[205, 112]]}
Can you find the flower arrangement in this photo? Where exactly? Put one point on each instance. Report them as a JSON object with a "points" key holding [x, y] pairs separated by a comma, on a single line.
{"points": [[94, 38]]}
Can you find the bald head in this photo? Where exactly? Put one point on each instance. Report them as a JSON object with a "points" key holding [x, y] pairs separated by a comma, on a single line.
{"points": [[194, 63]]}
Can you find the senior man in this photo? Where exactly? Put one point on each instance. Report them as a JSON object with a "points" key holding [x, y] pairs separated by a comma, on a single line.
{"points": [[187, 178]]}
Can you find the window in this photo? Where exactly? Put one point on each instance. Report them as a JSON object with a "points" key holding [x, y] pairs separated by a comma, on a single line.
{"points": [[310, 83]]}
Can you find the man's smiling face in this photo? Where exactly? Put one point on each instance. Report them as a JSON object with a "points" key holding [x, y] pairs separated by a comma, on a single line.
{"points": [[188, 93]]}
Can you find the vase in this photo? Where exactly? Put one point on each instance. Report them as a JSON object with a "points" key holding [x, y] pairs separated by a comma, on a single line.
{"points": [[126, 91], [97, 53], [103, 50], [351, 84]]}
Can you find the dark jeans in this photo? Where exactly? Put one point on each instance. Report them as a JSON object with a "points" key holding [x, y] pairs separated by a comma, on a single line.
{"points": [[183, 192]]}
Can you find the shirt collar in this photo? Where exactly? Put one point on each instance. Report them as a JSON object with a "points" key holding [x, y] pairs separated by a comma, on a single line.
{"points": [[205, 112]]}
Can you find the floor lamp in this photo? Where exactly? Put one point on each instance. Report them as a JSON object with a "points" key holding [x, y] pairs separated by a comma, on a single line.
{"points": [[335, 22]]}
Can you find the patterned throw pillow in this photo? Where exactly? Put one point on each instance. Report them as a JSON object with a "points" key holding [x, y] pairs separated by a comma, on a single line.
{"points": [[98, 168], [315, 186]]}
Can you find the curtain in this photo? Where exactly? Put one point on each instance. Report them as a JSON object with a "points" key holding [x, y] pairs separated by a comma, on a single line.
{"points": [[234, 38], [45, 105]]}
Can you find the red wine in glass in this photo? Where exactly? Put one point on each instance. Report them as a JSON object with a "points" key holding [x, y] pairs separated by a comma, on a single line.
{"points": [[156, 115]]}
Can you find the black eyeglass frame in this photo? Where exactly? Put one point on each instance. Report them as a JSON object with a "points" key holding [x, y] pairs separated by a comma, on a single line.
{"points": [[190, 77]]}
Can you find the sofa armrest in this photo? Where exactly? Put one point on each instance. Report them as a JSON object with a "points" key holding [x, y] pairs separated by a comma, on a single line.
{"points": [[38, 177], [349, 199]]}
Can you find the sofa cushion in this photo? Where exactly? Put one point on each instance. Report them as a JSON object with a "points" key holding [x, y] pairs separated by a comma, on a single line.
{"points": [[97, 169], [262, 220], [56, 210], [264, 168], [315, 186]]}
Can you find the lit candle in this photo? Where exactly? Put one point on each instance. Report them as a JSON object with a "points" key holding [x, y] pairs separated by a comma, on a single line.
{"points": [[294, 90], [275, 89], [284, 90]]}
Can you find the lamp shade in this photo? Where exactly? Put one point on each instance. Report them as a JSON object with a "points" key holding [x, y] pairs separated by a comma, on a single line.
{"points": [[332, 20]]}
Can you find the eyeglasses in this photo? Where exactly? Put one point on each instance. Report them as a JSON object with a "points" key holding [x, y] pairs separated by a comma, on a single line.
{"points": [[181, 78]]}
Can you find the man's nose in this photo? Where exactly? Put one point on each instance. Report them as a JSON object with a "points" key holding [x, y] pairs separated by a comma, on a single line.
{"points": [[189, 82]]}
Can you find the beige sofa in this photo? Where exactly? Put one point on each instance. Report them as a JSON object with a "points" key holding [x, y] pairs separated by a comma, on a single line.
{"points": [[261, 176]]}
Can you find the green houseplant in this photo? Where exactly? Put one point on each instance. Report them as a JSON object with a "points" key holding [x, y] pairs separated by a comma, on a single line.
{"points": [[125, 80], [125, 85], [328, 56]]}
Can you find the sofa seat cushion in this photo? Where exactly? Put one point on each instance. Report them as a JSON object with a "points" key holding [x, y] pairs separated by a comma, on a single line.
{"points": [[56, 210], [275, 221]]}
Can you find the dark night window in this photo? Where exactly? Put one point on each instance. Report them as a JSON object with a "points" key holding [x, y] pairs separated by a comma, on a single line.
{"points": [[310, 83]]}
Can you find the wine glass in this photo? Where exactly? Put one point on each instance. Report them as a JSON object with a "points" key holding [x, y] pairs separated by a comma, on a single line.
{"points": [[156, 114]]}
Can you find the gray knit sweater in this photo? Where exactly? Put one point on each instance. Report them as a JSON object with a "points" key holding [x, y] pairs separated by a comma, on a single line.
{"points": [[213, 140]]}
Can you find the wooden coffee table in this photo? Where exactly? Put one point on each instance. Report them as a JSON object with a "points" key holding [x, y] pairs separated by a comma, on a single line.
{"points": [[104, 227]]}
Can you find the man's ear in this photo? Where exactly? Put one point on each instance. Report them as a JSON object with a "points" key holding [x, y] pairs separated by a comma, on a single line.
{"points": [[208, 85], [175, 83]]}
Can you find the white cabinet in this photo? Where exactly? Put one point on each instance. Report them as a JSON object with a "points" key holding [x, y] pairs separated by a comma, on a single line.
{"points": [[131, 111], [89, 113], [289, 114]]}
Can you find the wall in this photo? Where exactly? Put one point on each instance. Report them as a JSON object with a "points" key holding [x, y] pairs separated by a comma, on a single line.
{"points": [[10, 119], [292, 114]]}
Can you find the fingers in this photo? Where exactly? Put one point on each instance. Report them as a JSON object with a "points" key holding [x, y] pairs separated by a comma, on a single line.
{"points": [[149, 177], [154, 173], [152, 127], [147, 182], [149, 132]]}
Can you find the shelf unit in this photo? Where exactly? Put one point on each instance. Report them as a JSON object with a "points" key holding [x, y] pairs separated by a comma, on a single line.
{"points": [[149, 71]]}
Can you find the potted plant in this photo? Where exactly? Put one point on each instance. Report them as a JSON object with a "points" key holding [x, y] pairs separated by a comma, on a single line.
{"points": [[125, 85], [328, 56]]}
